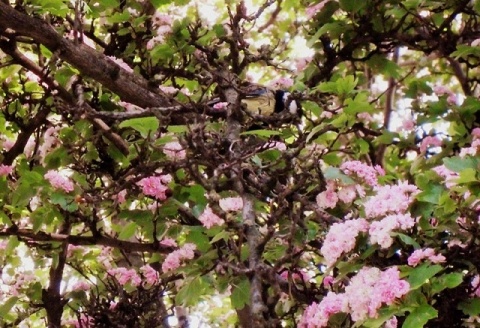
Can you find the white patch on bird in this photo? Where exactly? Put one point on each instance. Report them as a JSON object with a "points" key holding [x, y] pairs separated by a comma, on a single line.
{"points": [[292, 107]]}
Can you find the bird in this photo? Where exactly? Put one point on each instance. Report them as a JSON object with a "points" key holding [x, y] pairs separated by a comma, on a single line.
{"points": [[264, 101]]}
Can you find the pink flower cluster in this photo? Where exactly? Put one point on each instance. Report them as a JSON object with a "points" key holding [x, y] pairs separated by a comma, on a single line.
{"points": [[81, 286], [380, 230], [281, 83], [5, 170], [427, 253], [163, 23], [317, 314], [340, 239], [174, 150], [220, 106], [429, 141], [363, 171], [124, 276], [168, 242], [150, 274], [210, 219], [175, 258], [367, 291], [441, 90], [390, 199], [231, 204], [448, 175], [327, 198], [335, 192], [59, 181], [155, 186]]}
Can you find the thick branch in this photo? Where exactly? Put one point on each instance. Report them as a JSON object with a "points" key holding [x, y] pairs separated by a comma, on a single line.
{"points": [[31, 236], [130, 87]]}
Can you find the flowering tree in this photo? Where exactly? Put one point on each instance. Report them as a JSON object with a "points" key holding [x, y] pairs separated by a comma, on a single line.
{"points": [[128, 199]]}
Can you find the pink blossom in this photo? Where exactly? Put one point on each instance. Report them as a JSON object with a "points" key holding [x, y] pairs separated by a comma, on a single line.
{"points": [[363, 171], [475, 286], [380, 230], [340, 239], [427, 253], [277, 145], [371, 287], [174, 150], [154, 186], [301, 63], [408, 125], [231, 204], [150, 274], [220, 105], [169, 90], [8, 144], [174, 259], [448, 175], [327, 198], [430, 141], [365, 117], [81, 286], [475, 133], [128, 106], [124, 276], [391, 323], [390, 199], [50, 140], [210, 219], [168, 242], [347, 194], [5, 170], [328, 281], [281, 83], [120, 197], [316, 315], [160, 18], [121, 63], [296, 276], [73, 248], [59, 181], [472, 150]]}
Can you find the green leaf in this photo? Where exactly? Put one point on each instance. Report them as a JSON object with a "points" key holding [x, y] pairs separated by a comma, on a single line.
{"points": [[406, 239], [262, 133], [431, 195], [470, 307], [333, 173], [421, 274], [240, 294], [191, 292], [450, 280], [7, 306], [420, 316], [128, 231], [144, 125], [467, 175], [458, 164], [219, 236]]}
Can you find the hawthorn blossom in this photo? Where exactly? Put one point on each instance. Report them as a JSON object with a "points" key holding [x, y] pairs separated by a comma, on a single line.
{"points": [[120, 197], [366, 172], [154, 186], [281, 83], [301, 63], [390, 199], [210, 219], [347, 194], [169, 90], [427, 253], [5, 170], [391, 323], [472, 150], [370, 288], [408, 125], [174, 150], [430, 141], [81, 286], [379, 231], [231, 204], [124, 276], [475, 286], [174, 259], [328, 281], [340, 239], [168, 242], [150, 274], [327, 199], [8, 144], [316, 315], [121, 63], [59, 181], [220, 105], [449, 176]]}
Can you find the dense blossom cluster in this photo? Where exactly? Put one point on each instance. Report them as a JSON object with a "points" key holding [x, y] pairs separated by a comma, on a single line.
{"points": [[380, 230], [124, 276], [390, 199], [365, 172], [367, 291], [422, 254], [231, 204], [59, 181], [155, 186], [209, 218], [174, 260], [174, 151]]}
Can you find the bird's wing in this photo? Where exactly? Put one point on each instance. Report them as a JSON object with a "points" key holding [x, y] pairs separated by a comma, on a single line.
{"points": [[260, 102]]}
